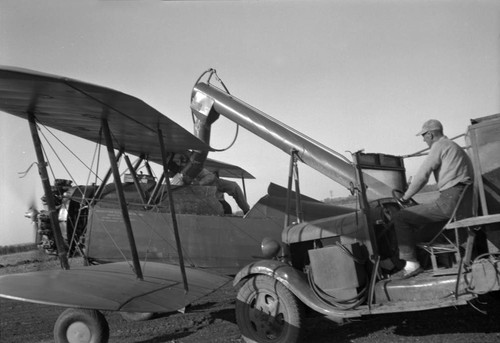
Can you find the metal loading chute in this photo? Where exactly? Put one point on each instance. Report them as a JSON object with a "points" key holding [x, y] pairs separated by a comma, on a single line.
{"points": [[209, 101], [273, 131], [202, 128]]}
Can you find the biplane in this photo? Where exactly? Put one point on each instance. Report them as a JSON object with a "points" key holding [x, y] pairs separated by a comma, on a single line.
{"points": [[149, 246]]}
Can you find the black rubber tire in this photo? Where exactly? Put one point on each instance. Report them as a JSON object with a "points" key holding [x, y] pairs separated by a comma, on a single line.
{"points": [[80, 325], [266, 311], [137, 316]]}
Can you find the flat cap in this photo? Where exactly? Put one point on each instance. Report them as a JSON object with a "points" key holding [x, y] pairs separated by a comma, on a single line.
{"points": [[430, 125]]}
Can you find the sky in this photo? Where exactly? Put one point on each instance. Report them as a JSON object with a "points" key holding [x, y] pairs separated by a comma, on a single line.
{"points": [[352, 74]]}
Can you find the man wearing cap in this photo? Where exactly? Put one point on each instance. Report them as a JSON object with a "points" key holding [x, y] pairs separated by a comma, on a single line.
{"points": [[452, 170]]}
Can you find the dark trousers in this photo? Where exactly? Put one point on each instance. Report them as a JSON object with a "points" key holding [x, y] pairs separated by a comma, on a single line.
{"points": [[410, 222], [234, 190]]}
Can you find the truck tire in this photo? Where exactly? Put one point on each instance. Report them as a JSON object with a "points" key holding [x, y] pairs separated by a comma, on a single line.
{"points": [[81, 326], [266, 311]]}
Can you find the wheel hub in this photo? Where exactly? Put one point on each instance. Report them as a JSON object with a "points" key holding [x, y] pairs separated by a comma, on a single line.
{"points": [[266, 320], [78, 332]]}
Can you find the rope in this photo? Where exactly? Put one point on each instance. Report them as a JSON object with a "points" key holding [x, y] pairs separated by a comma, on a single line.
{"points": [[347, 304]]}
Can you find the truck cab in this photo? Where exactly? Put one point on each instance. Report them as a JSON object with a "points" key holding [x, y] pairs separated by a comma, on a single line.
{"points": [[340, 266]]}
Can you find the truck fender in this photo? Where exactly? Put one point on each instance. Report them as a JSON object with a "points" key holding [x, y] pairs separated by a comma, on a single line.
{"points": [[280, 271], [297, 283]]}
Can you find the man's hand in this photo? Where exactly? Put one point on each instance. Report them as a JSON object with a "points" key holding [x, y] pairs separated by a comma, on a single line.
{"points": [[404, 203]]}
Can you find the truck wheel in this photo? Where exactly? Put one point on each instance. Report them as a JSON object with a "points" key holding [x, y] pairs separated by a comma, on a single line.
{"points": [[137, 316], [266, 311], [81, 326]]}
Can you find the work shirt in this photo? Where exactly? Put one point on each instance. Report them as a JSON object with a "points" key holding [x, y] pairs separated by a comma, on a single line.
{"points": [[449, 163], [205, 178]]}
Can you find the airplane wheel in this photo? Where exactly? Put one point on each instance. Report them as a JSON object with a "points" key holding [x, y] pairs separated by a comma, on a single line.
{"points": [[137, 316], [266, 311], [81, 326]]}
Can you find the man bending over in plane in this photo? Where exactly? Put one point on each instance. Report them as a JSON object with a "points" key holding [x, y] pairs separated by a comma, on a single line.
{"points": [[207, 178], [452, 170]]}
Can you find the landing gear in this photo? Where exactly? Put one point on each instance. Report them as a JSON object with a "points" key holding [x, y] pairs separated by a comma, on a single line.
{"points": [[266, 311], [81, 326]]}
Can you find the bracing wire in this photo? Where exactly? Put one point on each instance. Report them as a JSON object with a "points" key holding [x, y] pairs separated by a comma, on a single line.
{"points": [[70, 175], [66, 147], [83, 202]]}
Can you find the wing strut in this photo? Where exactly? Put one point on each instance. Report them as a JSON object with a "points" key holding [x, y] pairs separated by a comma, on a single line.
{"points": [[244, 187], [99, 191], [148, 167], [44, 176], [133, 173], [156, 190], [172, 209], [121, 199]]}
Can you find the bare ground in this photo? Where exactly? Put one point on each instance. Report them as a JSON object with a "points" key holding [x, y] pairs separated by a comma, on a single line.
{"points": [[211, 319]]}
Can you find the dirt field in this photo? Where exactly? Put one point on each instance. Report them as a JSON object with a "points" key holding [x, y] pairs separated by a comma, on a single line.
{"points": [[212, 320]]}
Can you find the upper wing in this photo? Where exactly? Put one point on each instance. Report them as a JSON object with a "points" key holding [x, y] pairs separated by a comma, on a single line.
{"points": [[112, 287], [76, 107], [227, 170]]}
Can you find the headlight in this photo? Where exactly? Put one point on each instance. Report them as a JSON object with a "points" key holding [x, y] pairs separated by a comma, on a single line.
{"points": [[270, 247]]}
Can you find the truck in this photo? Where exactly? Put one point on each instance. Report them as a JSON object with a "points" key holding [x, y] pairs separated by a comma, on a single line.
{"points": [[337, 266]]}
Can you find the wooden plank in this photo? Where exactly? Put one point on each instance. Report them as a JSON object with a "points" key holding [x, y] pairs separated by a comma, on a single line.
{"points": [[474, 221]]}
